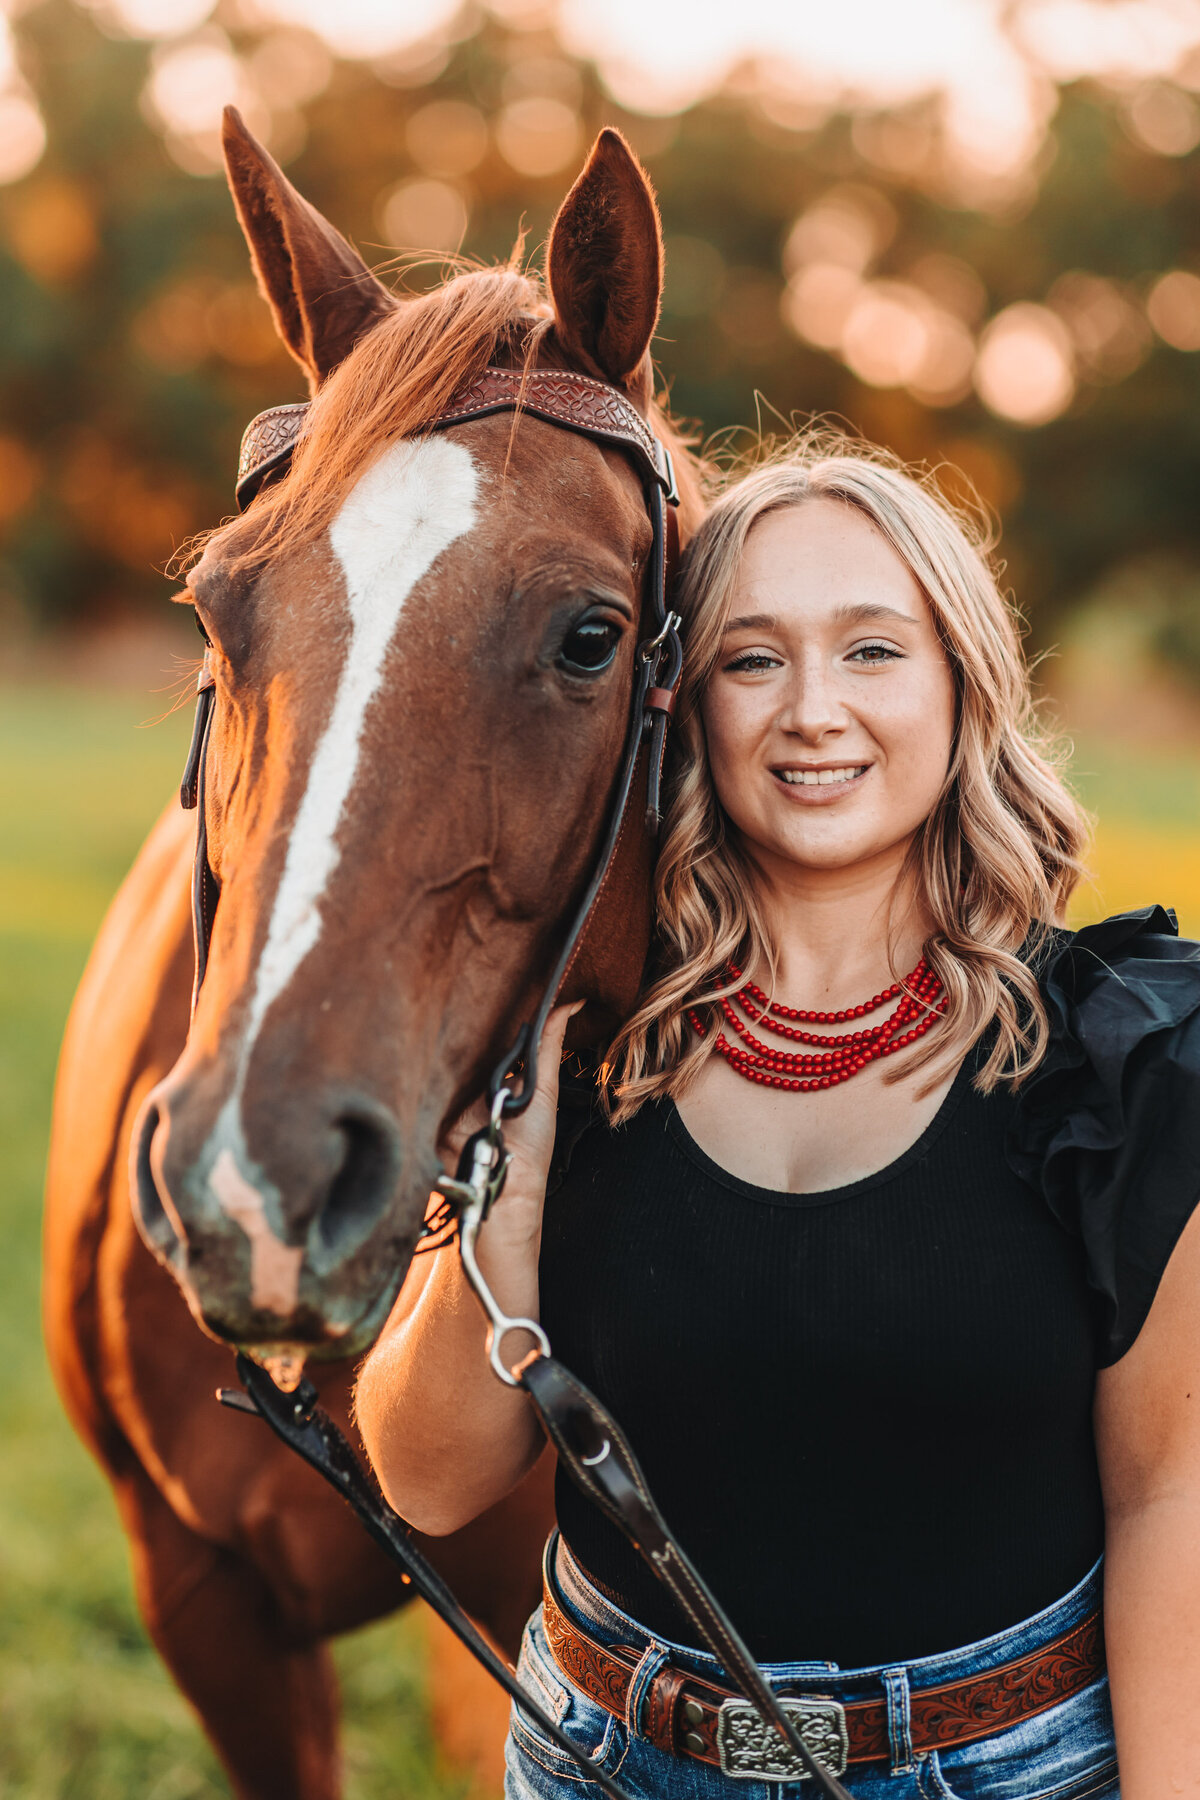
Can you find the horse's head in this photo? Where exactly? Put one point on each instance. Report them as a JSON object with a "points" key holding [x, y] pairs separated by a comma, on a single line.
{"points": [[424, 648]]}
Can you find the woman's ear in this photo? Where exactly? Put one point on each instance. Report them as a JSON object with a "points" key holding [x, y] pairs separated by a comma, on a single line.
{"points": [[320, 290], [604, 266]]}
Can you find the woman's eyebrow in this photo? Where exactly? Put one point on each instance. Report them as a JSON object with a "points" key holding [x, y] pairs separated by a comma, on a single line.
{"points": [[867, 609], [753, 622]]}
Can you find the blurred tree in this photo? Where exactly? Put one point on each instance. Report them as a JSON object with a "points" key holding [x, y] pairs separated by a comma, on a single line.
{"points": [[1027, 337]]}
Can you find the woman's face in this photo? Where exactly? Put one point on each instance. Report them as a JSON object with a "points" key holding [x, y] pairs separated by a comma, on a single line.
{"points": [[830, 716]]}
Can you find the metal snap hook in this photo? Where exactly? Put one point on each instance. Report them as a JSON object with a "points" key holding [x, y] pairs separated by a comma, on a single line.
{"points": [[672, 623]]}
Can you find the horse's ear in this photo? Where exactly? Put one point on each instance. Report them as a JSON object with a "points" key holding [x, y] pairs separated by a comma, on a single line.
{"points": [[321, 292], [605, 262]]}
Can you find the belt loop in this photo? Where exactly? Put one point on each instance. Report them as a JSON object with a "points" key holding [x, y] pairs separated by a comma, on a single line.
{"points": [[652, 1659], [895, 1682]]}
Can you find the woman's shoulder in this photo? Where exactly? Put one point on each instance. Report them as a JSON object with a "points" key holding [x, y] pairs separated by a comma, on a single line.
{"points": [[1075, 964], [1108, 1125]]}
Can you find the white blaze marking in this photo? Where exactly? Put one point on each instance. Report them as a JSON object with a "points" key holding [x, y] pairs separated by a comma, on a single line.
{"points": [[410, 506], [274, 1266]]}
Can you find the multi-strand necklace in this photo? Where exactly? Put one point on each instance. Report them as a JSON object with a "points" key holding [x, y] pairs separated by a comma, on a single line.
{"points": [[922, 1001]]}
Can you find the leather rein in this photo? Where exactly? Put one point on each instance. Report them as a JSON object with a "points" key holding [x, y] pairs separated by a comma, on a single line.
{"points": [[588, 1440]]}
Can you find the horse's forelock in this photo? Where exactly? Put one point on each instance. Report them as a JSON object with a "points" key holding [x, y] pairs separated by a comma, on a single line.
{"points": [[399, 378]]}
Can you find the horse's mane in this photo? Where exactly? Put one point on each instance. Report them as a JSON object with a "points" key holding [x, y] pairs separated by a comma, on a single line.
{"points": [[400, 376]]}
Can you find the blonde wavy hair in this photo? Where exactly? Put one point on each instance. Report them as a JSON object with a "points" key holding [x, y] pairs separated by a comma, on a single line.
{"points": [[994, 863]]}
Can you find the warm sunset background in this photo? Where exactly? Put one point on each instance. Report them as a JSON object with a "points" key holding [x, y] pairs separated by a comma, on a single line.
{"points": [[968, 228]]}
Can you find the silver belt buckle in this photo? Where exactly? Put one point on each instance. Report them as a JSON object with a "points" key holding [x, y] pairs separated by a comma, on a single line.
{"points": [[750, 1749]]}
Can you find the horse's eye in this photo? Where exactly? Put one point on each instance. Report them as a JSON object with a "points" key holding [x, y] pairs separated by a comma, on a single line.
{"points": [[590, 645], [201, 630]]}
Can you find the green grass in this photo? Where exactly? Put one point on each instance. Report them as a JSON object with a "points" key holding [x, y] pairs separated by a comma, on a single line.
{"points": [[87, 1711]]}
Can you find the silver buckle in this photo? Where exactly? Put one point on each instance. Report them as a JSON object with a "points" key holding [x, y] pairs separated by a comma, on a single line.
{"points": [[750, 1749]]}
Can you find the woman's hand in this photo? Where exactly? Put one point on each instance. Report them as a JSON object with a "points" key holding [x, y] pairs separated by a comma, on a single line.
{"points": [[516, 1217], [446, 1438]]}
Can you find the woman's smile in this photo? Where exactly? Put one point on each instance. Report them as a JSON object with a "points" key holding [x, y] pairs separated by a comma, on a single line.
{"points": [[821, 784]]}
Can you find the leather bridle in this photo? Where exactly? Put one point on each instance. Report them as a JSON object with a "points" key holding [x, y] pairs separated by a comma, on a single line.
{"points": [[589, 1442]]}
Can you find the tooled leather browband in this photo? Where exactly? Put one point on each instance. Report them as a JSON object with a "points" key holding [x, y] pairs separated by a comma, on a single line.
{"points": [[267, 441], [560, 396]]}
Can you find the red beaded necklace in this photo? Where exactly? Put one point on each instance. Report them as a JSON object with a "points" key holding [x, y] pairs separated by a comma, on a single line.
{"points": [[922, 1003]]}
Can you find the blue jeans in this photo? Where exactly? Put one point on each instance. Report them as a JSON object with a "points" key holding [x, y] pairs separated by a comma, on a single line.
{"points": [[1065, 1753]]}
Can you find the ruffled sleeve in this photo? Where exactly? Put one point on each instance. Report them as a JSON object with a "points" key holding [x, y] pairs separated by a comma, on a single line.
{"points": [[1108, 1127]]}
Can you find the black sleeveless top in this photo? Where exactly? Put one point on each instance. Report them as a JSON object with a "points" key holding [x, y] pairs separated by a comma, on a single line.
{"points": [[866, 1412]]}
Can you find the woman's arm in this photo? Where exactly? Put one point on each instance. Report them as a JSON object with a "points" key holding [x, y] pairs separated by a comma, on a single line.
{"points": [[446, 1438], [1148, 1439]]}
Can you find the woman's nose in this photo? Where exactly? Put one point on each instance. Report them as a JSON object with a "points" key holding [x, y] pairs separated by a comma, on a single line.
{"points": [[813, 708]]}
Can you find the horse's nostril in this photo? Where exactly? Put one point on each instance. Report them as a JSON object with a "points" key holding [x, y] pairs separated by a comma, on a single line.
{"points": [[155, 1222], [359, 1191]]}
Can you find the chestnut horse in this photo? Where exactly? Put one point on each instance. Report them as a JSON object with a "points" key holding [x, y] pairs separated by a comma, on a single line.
{"points": [[423, 648]]}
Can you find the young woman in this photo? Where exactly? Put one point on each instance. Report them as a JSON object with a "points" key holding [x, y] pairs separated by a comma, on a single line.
{"points": [[883, 1257]]}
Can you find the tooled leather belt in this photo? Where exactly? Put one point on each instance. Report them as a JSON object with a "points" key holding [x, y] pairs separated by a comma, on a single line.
{"points": [[692, 1718]]}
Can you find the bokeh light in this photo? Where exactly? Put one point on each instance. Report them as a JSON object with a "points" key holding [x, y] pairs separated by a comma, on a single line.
{"points": [[289, 67], [943, 377], [1173, 308], [413, 65], [447, 137], [22, 132], [22, 136], [1163, 118], [191, 82], [884, 339], [538, 135], [20, 474], [151, 18], [551, 77], [366, 28], [423, 215], [1075, 38], [1024, 370], [818, 301], [889, 333], [849, 225], [52, 229]]}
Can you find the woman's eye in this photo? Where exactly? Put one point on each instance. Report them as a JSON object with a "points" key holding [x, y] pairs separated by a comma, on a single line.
{"points": [[589, 646], [750, 661], [874, 653]]}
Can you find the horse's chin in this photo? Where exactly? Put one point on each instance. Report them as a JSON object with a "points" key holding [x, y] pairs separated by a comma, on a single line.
{"points": [[284, 1347], [336, 1344]]}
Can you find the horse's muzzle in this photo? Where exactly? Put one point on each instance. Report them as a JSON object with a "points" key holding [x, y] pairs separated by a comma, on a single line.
{"points": [[310, 1250]]}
